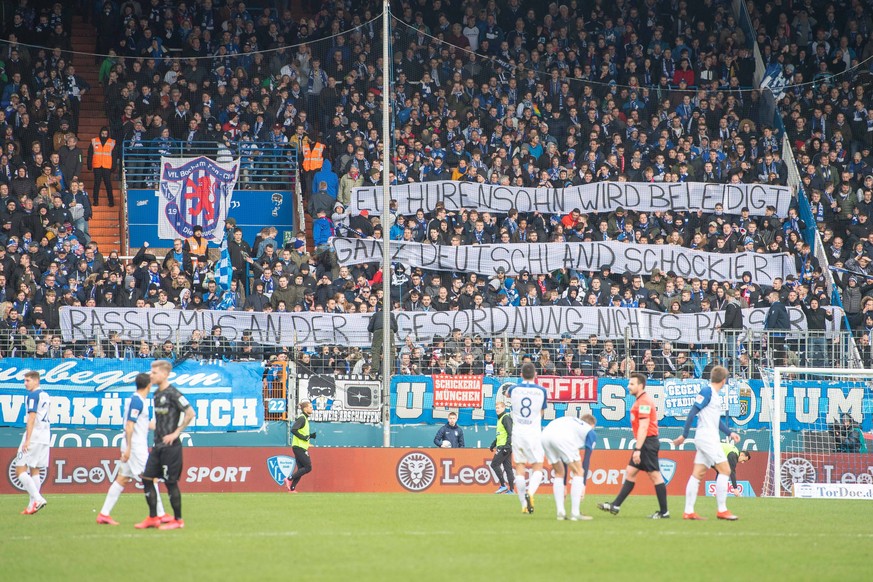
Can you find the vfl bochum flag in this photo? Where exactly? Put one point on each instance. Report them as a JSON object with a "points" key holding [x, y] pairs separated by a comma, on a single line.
{"points": [[195, 192], [223, 275]]}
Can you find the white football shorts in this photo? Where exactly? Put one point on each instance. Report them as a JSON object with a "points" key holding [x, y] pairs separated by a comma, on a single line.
{"points": [[527, 447], [135, 465], [36, 457], [558, 449], [709, 453]]}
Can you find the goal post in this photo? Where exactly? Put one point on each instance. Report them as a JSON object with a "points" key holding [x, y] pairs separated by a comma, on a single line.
{"points": [[821, 420]]}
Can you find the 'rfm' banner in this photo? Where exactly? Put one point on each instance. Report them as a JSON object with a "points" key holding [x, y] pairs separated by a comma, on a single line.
{"points": [[462, 391], [315, 328], [589, 198], [535, 258], [569, 388], [195, 192]]}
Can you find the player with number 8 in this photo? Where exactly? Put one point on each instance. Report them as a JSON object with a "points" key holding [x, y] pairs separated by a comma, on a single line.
{"points": [[528, 401]]}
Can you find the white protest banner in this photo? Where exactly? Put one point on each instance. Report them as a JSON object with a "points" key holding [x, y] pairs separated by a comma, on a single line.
{"points": [[589, 198], [535, 258], [195, 192], [317, 328], [341, 400]]}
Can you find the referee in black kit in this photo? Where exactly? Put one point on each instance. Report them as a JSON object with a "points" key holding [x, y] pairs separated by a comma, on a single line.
{"points": [[165, 459]]}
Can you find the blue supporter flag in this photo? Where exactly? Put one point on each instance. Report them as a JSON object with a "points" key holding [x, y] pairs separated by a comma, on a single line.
{"points": [[223, 276]]}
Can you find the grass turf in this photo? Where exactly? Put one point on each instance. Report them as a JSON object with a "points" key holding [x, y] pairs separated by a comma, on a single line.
{"points": [[353, 537]]}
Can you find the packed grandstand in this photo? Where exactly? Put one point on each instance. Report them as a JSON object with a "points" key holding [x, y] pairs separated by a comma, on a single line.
{"points": [[516, 95]]}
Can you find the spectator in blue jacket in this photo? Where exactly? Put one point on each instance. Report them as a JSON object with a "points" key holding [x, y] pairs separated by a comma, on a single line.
{"points": [[450, 435], [329, 177], [322, 229]]}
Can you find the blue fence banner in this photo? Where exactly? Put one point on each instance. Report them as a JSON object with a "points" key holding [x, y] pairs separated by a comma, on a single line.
{"points": [[252, 210], [807, 405], [679, 396], [92, 393]]}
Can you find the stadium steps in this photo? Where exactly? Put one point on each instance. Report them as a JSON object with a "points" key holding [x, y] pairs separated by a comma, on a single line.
{"points": [[105, 225], [310, 245]]}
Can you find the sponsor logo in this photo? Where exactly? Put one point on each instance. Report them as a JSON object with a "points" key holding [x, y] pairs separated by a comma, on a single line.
{"points": [[833, 491], [668, 469], [466, 474], [12, 473], [796, 470], [217, 474], [743, 489], [281, 467], [104, 471], [416, 471]]}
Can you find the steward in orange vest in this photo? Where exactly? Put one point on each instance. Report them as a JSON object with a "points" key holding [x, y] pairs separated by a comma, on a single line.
{"points": [[313, 157], [101, 159], [196, 245]]}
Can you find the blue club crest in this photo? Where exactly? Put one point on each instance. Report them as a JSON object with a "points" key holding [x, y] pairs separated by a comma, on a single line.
{"points": [[668, 469], [280, 467], [197, 194]]}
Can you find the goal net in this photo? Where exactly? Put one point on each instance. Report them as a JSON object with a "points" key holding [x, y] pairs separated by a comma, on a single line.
{"points": [[820, 428]]}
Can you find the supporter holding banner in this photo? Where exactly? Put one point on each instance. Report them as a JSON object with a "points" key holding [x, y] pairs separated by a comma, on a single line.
{"points": [[195, 192], [597, 197], [637, 259], [317, 328], [457, 391], [92, 393]]}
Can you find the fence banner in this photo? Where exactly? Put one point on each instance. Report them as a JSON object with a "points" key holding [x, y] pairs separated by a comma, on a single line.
{"points": [[590, 198], [195, 192], [680, 395], [317, 328], [351, 470], [569, 388], [811, 405], [341, 400], [93, 393], [458, 391], [536, 258]]}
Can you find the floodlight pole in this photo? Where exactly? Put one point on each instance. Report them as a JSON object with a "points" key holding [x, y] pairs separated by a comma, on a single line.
{"points": [[387, 363]]}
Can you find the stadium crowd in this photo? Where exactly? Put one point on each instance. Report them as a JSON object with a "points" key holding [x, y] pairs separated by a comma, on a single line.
{"points": [[520, 94]]}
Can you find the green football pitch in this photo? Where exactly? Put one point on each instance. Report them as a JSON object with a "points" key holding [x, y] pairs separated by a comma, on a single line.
{"points": [[351, 537]]}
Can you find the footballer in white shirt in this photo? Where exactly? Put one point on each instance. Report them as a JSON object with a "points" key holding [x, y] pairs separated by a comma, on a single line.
{"points": [[707, 409], [33, 453], [134, 449], [528, 402], [562, 440]]}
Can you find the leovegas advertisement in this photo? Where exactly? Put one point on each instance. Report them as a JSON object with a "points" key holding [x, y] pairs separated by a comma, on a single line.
{"points": [[244, 469]]}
